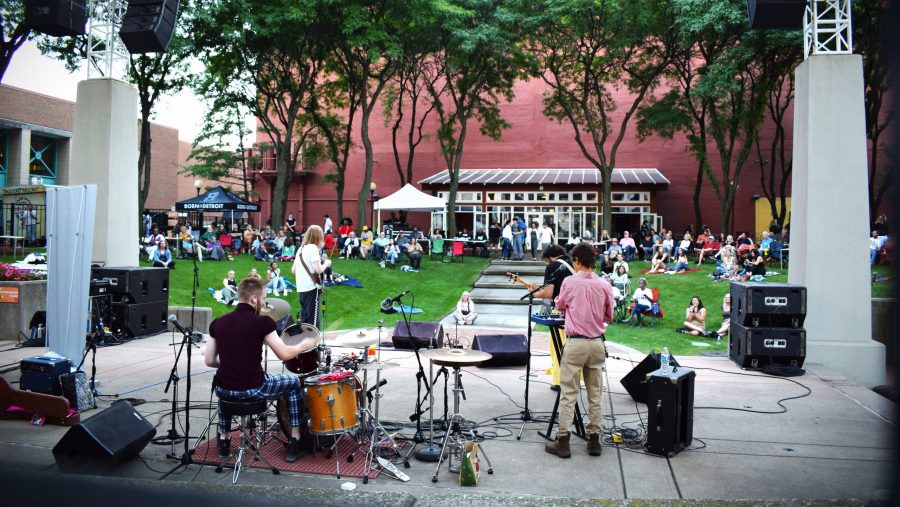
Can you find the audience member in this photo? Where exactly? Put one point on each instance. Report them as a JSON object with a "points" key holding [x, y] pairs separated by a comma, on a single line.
{"points": [[694, 318], [627, 245], [162, 256], [620, 262], [414, 252], [351, 246], [288, 251], [643, 301], [229, 289], [274, 280], [465, 310], [658, 262], [709, 248], [379, 246]]}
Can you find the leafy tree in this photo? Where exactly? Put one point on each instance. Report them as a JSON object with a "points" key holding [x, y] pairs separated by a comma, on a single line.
{"points": [[265, 56], [871, 24], [404, 104], [13, 32], [585, 51], [479, 61]]}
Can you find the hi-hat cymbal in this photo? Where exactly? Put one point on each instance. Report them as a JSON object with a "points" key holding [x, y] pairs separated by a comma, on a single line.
{"points": [[276, 308], [359, 339], [456, 357], [377, 365]]}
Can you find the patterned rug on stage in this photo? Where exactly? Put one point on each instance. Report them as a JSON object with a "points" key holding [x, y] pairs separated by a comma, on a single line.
{"points": [[274, 451]]}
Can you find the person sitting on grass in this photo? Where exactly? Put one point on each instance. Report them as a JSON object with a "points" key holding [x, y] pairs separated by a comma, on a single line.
{"points": [[723, 330], [658, 262], [274, 280], [288, 251], [189, 244], [685, 245], [351, 246], [392, 252], [647, 247], [681, 263], [643, 301], [628, 246], [254, 274], [614, 249], [229, 289], [465, 310], [694, 318], [211, 239], [162, 256], [754, 265], [709, 248], [366, 242], [765, 244], [620, 279], [620, 262], [607, 267], [379, 246], [414, 252], [668, 243]]}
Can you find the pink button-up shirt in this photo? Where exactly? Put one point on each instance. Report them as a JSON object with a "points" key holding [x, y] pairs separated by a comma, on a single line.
{"points": [[587, 300]]}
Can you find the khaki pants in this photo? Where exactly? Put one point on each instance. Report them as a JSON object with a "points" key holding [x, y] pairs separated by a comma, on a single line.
{"points": [[586, 357]]}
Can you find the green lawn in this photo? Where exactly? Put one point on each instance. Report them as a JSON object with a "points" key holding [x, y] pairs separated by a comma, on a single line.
{"points": [[437, 287]]}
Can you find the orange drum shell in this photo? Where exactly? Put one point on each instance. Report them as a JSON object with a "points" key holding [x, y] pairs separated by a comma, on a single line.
{"points": [[344, 408]]}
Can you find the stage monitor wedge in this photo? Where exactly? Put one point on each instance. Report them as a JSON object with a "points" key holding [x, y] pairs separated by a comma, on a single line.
{"points": [[59, 18], [148, 25], [104, 441]]}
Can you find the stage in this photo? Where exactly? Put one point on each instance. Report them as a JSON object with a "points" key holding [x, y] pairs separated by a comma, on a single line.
{"points": [[835, 443]]}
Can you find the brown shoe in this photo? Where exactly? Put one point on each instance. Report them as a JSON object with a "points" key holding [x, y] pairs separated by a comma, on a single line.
{"points": [[560, 447], [593, 445]]}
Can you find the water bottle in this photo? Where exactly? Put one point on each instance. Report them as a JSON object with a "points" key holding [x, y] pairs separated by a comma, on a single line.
{"points": [[664, 360]]}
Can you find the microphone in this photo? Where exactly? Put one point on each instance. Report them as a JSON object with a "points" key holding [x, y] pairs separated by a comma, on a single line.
{"points": [[380, 384], [399, 296], [562, 267], [174, 321]]}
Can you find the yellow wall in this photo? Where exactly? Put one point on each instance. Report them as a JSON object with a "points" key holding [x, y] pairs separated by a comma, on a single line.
{"points": [[764, 215]]}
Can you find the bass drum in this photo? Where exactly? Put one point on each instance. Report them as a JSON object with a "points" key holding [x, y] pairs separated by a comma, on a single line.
{"points": [[307, 362], [307, 442]]}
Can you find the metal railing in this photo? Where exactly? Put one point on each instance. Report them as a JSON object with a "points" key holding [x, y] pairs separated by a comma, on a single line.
{"points": [[13, 222]]}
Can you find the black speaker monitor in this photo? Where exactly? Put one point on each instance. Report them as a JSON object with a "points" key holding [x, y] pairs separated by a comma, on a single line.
{"points": [[148, 25], [58, 18], [670, 411], [505, 349], [755, 347], [104, 441], [424, 334], [636, 380], [768, 304]]}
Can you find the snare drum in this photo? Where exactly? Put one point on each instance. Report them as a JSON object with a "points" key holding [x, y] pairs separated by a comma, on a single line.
{"points": [[332, 404], [307, 362]]}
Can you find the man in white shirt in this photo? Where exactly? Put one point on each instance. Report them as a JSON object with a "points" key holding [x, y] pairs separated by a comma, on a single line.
{"points": [[328, 225], [643, 301]]}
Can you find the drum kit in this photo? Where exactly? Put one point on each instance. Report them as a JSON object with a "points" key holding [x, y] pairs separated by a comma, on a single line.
{"points": [[341, 405]]}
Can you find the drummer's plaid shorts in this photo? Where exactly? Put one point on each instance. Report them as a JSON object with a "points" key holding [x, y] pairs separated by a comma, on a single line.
{"points": [[275, 386]]}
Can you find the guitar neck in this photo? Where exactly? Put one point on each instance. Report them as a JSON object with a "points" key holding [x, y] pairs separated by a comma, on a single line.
{"points": [[517, 278]]}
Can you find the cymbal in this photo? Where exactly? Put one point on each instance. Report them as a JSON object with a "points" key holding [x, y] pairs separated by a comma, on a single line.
{"points": [[359, 339], [456, 357], [276, 308], [376, 365]]}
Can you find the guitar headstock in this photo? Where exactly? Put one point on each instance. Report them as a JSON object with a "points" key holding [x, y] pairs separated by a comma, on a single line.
{"points": [[513, 277]]}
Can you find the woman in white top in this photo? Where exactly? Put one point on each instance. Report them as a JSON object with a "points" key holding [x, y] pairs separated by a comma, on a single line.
{"points": [[351, 246], [668, 243], [465, 310], [229, 289], [274, 280], [643, 301], [620, 262], [308, 264]]}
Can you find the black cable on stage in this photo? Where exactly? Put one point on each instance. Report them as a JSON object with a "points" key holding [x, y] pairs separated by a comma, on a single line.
{"points": [[783, 410]]}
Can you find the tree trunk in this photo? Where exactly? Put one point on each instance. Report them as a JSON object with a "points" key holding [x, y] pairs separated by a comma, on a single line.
{"points": [[144, 159], [284, 175], [362, 196], [454, 177], [698, 187], [606, 221]]}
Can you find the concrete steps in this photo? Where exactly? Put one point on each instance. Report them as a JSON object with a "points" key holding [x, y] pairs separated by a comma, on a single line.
{"points": [[503, 282], [521, 268]]}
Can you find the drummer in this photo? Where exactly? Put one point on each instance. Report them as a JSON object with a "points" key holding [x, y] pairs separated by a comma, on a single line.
{"points": [[235, 348], [559, 267]]}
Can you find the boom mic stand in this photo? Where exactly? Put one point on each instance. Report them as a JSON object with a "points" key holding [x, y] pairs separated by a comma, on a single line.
{"points": [[187, 339], [526, 414]]}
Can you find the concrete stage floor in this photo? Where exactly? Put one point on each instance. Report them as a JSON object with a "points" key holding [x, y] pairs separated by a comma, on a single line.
{"points": [[836, 443]]}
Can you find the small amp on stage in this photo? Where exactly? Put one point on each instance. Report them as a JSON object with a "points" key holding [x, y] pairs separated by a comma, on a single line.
{"points": [[41, 374], [670, 411]]}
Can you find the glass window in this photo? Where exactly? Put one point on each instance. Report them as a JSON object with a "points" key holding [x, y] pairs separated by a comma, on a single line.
{"points": [[505, 197], [491, 197], [43, 159], [519, 197], [540, 197], [562, 196], [577, 223], [618, 196], [591, 196], [563, 224], [578, 196]]}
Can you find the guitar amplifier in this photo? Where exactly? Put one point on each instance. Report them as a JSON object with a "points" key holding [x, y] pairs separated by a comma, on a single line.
{"points": [[768, 304], [41, 374], [670, 411], [755, 347]]}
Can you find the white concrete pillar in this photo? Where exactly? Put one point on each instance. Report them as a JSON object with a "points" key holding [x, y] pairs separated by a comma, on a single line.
{"points": [[63, 158], [105, 152], [829, 202], [19, 155]]}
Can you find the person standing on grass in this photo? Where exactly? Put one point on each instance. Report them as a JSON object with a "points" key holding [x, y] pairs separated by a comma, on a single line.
{"points": [[308, 268]]}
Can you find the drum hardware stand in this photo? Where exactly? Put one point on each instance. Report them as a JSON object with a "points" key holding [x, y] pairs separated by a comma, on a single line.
{"points": [[186, 339], [431, 452], [455, 431]]}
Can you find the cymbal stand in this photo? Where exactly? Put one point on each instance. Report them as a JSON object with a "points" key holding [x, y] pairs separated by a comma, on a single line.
{"points": [[458, 430]]}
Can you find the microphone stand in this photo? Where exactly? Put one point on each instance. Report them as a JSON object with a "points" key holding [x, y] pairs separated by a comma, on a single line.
{"points": [[187, 339]]}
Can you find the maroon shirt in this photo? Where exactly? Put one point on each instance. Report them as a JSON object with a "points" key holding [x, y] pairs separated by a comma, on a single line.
{"points": [[239, 339]]}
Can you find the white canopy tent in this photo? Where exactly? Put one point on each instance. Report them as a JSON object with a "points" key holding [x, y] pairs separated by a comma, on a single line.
{"points": [[409, 198]]}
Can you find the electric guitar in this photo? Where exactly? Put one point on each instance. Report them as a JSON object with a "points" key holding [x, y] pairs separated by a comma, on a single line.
{"points": [[513, 277]]}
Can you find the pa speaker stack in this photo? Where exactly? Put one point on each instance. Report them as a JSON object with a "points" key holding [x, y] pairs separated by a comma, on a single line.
{"points": [[58, 18], [148, 25], [140, 298], [767, 324]]}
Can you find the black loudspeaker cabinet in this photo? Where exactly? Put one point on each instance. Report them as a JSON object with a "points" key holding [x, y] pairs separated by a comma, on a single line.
{"points": [[59, 18], [776, 14], [134, 284], [104, 441], [768, 304], [424, 334], [755, 347], [141, 319], [148, 25], [670, 411], [505, 349], [636, 380]]}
